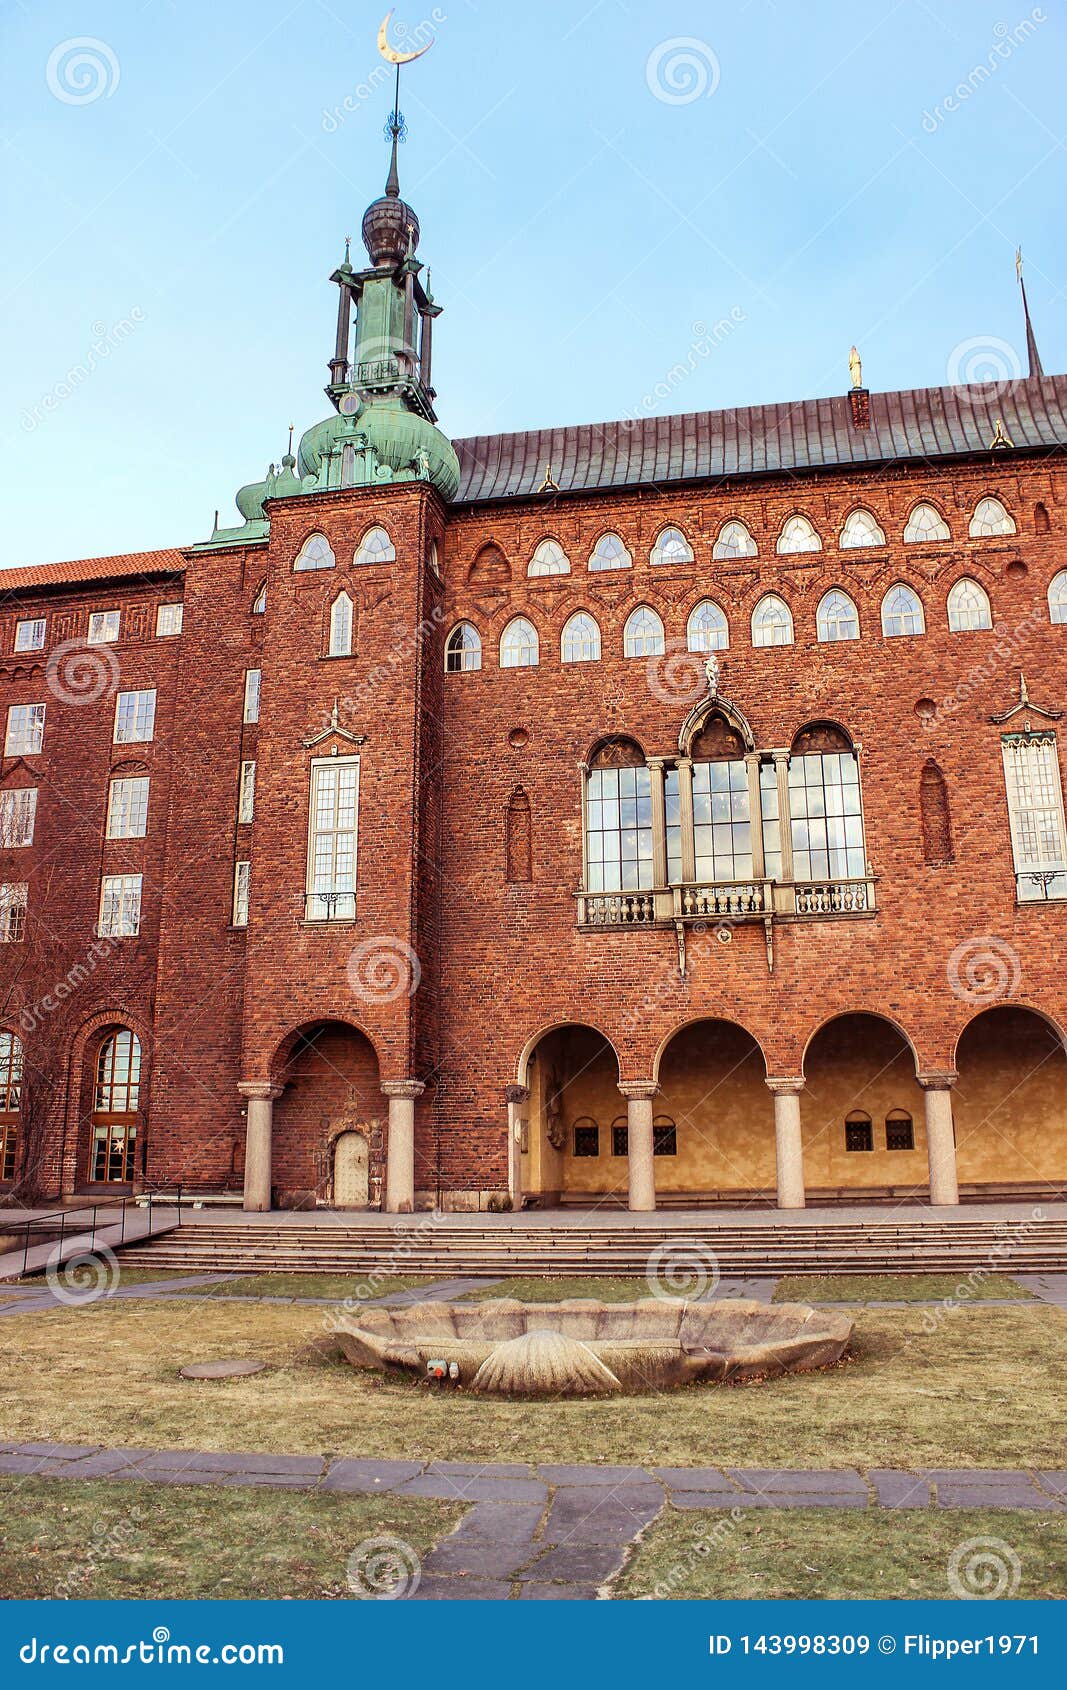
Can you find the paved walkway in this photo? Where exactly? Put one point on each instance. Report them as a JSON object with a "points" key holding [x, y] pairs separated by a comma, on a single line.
{"points": [[545, 1532]]}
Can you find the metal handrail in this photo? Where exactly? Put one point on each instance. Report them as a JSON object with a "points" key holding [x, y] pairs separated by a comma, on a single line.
{"points": [[47, 1221]]}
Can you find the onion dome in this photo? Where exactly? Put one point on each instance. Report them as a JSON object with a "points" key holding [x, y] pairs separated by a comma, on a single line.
{"points": [[390, 227]]}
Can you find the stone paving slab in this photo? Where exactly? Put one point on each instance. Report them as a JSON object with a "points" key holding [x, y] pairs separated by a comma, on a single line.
{"points": [[693, 1478], [577, 1563], [477, 1557], [975, 1475], [501, 1522], [355, 1474], [576, 1474], [1054, 1482], [772, 1482], [726, 1499], [476, 1469], [900, 1490], [435, 1589], [994, 1496], [485, 1489], [597, 1516]]}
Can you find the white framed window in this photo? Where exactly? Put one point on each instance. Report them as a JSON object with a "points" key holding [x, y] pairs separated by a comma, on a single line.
{"points": [[734, 541], [837, 617], [989, 520], [18, 812], [246, 796], [861, 529], [618, 830], [671, 547], [549, 559], [120, 906], [433, 559], [798, 535], [1035, 810], [463, 649], [242, 875], [25, 730], [315, 553], [826, 816], [968, 607], [341, 622], [925, 523], [30, 633], [519, 646], [902, 612], [1057, 597], [259, 603], [375, 547], [127, 807], [252, 684], [772, 622], [643, 634], [333, 815], [135, 717], [13, 900], [103, 627], [707, 628], [610, 553], [580, 641], [169, 621]]}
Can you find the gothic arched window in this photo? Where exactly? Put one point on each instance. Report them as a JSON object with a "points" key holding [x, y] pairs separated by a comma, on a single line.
{"points": [[341, 622], [519, 647], [315, 553], [734, 541], [115, 1100], [707, 628], [772, 622], [935, 816], [798, 535], [549, 559], [610, 553], [1057, 597], [463, 649], [671, 547], [618, 820], [375, 547], [259, 603], [925, 523], [902, 612], [643, 634], [990, 519], [518, 848], [861, 529], [837, 617], [581, 639], [968, 607]]}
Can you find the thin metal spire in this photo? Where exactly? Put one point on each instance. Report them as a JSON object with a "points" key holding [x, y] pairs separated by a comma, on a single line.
{"points": [[1033, 356]]}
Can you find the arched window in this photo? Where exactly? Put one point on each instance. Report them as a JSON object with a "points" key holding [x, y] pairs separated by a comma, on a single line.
{"points": [[671, 547], [115, 1099], [772, 622], [518, 848], [618, 820], [1041, 521], [935, 817], [518, 644], [925, 523], [734, 541], [861, 529], [433, 559], [1057, 597], [643, 634], [463, 649], [902, 612], [341, 626], [315, 553], [859, 1132], [707, 628], [259, 603], [990, 519], [581, 639], [968, 607], [837, 617], [375, 547], [610, 553], [549, 559], [899, 1130], [10, 1101], [799, 536]]}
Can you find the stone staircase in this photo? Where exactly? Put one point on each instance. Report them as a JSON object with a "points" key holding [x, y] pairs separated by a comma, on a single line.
{"points": [[442, 1247]]}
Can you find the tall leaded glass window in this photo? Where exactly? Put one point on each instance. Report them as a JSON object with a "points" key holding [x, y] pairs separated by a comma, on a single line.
{"points": [[826, 817], [1035, 808], [722, 821], [772, 826], [331, 875], [618, 830]]}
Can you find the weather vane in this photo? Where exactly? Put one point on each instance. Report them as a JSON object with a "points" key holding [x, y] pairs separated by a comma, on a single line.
{"points": [[396, 128]]}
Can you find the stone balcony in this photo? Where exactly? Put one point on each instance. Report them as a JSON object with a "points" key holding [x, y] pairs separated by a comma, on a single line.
{"points": [[727, 901]]}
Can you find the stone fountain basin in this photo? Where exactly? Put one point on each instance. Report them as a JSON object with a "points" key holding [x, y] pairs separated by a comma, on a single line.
{"points": [[566, 1347]]}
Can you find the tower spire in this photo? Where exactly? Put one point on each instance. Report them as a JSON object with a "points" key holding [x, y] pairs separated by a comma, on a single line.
{"points": [[395, 128], [1033, 357]]}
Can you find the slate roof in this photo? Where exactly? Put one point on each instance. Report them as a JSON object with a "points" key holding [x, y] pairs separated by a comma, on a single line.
{"points": [[918, 423]]}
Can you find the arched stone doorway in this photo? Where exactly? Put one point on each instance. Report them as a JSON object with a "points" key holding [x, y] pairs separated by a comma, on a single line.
{"points": [[567, 1148], [329, 1084], [351, 1170], [713, 1087], [862, 1112], [1010, 1101]]}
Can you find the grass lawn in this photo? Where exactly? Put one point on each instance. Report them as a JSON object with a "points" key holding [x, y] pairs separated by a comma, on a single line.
{"points": [[819, 1553], [555, 1290], [896, 1288], [971, 1387], [61, 1537], [334, 1285]]}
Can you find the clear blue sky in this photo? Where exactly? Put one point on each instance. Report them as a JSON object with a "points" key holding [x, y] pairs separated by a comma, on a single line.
{"points": [[577, 224]]}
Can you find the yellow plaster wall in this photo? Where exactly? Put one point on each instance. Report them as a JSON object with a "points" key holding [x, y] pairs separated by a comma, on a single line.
{"points": [[860, 1063], [1010, 1101]]}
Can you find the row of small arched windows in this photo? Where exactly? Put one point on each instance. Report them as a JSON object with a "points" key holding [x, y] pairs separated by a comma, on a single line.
{"points": [[837, 618]]}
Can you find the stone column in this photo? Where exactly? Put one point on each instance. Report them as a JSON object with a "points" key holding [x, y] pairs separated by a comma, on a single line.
{"points": [[400, 1155], [685, 816], [940, 1138], [788, 1144], [517, 1098], [755, 811], [259, 1097], [785, 825], [659, 821], [639, 1152]]}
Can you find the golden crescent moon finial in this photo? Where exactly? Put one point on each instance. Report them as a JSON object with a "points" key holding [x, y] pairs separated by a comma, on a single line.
{"points": [[390, 54]]}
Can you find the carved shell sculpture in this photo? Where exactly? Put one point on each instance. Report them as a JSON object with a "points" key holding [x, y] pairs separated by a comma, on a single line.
{"points": [[588, 1348]]}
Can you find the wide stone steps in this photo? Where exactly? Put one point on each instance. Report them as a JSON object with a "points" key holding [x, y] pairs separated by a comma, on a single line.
{"points": [[503, 1251]]}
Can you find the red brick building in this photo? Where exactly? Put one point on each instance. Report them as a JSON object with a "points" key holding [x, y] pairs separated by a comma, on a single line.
{"points": [[669, 807]]}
